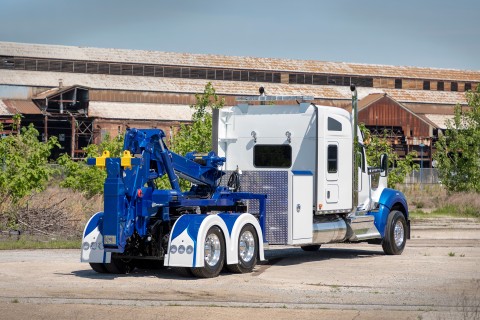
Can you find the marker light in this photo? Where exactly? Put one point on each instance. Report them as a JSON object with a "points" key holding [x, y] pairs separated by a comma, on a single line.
{"points": [[181, 249]]}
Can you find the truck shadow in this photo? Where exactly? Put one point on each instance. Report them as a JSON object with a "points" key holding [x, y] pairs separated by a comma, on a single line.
{"points": [[164, 273], [280, 257], [291, 256]]}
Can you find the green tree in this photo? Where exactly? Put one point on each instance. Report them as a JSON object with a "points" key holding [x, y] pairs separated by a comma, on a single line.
{"points": [[197, 136], [458, 150], [89, 179], [24, 162], [377, 145]]}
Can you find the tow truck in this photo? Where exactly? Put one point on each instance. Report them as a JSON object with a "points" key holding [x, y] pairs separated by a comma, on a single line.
{"points": [[297, 175]]}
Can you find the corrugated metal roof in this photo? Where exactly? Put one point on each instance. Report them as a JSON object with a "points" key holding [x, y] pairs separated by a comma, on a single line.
{"points": [[154, 84], [368, 100], [439, 119], [22, 106], [431, 109], [55, 91], [139, 111], [219, 61], [4, 109], [425, 96]]}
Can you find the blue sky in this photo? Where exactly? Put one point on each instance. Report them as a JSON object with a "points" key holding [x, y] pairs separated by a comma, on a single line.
{"points": [[427, 33]]}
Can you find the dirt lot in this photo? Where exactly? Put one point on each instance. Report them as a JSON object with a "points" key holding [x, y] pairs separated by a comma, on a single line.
{"points": [[437, 277]]}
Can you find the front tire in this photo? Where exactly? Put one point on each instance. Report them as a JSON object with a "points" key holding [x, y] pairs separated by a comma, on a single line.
{"points": [[247, 250], [395, 234], [214, 254]]}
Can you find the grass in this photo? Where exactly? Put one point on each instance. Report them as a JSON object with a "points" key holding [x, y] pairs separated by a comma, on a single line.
{"points": [[26, 243], [447, 211], [431, 201]]}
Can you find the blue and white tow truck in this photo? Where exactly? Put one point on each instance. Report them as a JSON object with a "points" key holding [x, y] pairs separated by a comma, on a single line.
{"points": [[297, 175]]}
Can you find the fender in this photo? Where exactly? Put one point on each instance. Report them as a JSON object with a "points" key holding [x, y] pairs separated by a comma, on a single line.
{"points": [[388, 199], [190, 231], [92, 241], [235, 223]]}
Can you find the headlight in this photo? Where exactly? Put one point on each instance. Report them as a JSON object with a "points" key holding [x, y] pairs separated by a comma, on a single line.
{"points": [[181, 249], [189, 250], [85, 246], [93, 245], [173, 249], [100, 246]]}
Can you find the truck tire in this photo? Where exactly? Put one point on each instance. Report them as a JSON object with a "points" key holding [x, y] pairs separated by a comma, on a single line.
{"points": [[183, 271], [149, 264], [99, 267], [120, 266], [395, 233], [247, 251], [311, 247], [214, 254]]}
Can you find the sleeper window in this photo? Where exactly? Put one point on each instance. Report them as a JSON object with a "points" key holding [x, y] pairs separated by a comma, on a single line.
{"points": [[272, 156]]}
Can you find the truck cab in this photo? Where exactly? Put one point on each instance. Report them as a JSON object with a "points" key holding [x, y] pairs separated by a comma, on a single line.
{"points": [[302, 157]]}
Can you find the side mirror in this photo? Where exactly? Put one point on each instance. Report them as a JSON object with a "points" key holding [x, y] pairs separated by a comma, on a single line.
{"points": [[384, 165]]}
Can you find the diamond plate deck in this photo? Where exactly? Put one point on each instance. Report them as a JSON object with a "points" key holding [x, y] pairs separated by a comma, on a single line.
{"points": [[275, 185]]}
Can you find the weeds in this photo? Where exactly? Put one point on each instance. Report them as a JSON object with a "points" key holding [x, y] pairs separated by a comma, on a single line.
{"points": [[54, 212], [31, 243], [451, 254], [434, 201]]}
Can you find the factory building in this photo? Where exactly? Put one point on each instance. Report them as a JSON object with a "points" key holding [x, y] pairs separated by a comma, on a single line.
{"points": [[81, 94]]}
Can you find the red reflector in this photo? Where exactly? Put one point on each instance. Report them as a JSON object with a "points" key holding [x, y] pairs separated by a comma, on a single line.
{"points": [[139, 193]]}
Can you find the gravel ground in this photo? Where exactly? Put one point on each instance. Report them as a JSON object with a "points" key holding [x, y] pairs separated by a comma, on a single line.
{"points": [[437, 277]]}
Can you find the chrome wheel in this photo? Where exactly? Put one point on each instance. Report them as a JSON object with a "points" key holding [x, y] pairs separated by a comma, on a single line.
{"points": [[398, 234], [213, 249], [247, 250], [214, 254], [246, 246]]}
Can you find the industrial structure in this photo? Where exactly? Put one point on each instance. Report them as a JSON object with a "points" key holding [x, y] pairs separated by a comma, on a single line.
{"points": [[81, 94]]}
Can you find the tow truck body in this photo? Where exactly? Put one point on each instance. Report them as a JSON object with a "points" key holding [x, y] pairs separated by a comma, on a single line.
{"points": [[298, 176]]}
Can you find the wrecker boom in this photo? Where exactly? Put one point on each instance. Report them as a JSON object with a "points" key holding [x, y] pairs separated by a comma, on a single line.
{"points": [[133, 206]]}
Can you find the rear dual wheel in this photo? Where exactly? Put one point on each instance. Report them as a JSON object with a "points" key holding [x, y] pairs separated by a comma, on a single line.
{"points": [[117, 265], [247, 250], [98, 267], [214, 254]]}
